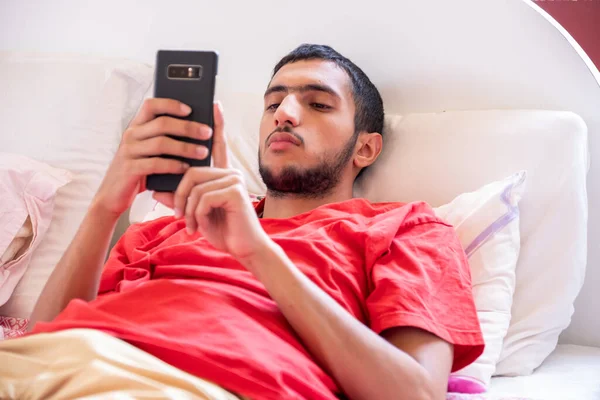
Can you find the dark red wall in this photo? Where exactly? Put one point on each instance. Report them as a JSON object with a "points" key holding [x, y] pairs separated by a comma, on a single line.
{"points": [[581, 18]]}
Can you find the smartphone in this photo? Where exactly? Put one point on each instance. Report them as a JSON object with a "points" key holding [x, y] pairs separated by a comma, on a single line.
{"points": [[189, 77]]}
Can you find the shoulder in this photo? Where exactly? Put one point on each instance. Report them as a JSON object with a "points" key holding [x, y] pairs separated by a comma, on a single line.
{"points": [[408, 227], [397, 213]]}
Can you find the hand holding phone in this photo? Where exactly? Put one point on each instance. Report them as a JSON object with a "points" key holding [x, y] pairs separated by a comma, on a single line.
{"points": [[142, 142], [188, 77]]}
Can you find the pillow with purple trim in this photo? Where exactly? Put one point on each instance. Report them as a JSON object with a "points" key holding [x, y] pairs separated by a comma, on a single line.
{"points": [[487, 224]]}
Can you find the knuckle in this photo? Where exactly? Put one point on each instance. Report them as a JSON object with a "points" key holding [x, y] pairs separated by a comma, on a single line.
{"points": [[208, 197], [241, 191], [128, 134], [190, 208], [188, 127], [162, 123], [180, 192], [236, 178], [147, 106], [184, 148], [239, 178], [196, 192], [154, 146], [190, 173], [198, 211]]}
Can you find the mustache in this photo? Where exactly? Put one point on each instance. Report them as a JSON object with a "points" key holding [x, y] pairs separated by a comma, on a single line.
{"points": [[286, 129]]}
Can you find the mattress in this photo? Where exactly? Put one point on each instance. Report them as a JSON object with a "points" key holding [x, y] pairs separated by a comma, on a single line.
{"points": [[570, 372]]}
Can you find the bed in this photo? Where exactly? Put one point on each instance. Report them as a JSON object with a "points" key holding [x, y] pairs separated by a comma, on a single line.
{"points": [[460, 64], [570, 372]]}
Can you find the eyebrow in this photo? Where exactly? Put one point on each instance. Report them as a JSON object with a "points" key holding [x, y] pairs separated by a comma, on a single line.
{"points": [[304, 88]]}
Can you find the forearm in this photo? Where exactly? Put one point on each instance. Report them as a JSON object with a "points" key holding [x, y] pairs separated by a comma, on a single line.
{"points": [[365, 365], [77, 274]]}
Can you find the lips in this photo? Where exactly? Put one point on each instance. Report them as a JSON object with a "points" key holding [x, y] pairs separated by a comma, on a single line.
{"points": [[283, 137]]}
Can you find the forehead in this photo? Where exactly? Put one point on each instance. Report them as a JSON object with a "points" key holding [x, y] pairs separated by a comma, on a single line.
{"points": [[314, 72]]}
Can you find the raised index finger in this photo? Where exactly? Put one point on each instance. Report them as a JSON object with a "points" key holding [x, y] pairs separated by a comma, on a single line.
{"points": [[219, 146], [158, 106]]}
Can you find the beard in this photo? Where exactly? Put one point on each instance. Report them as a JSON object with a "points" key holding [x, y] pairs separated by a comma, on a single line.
{"points": [[313, 182]]}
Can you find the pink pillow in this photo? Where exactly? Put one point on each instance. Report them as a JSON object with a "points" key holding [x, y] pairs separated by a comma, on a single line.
{"points": [[27, 190]]}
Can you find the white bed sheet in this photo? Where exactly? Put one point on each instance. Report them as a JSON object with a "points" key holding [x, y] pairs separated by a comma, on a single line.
{"points": [[570, 372]]}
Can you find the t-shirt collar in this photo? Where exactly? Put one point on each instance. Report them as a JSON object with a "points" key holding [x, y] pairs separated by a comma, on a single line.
{"points": [[259, 207]]}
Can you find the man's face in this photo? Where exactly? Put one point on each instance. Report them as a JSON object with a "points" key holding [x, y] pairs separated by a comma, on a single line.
{"points": [[307, 136]]}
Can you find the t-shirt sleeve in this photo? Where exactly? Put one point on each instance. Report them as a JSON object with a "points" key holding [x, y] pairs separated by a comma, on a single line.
{"points": [[421, 279]]}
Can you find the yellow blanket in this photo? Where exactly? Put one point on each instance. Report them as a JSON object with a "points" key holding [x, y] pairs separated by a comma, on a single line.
{"points": [[88, 364]]}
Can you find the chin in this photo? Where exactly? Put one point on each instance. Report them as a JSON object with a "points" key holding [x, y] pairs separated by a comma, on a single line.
{"points": [[277, 163], [280, 159], [277, 167]]}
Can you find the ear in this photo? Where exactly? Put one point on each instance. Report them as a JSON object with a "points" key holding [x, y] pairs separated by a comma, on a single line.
{"points": [[368, 147]]}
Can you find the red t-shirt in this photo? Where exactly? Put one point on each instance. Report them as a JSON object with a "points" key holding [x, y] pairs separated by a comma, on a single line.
{"points": [[198, 309]]}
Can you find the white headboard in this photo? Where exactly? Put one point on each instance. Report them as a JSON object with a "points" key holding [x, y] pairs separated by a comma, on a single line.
{"points": [[422, 55]]}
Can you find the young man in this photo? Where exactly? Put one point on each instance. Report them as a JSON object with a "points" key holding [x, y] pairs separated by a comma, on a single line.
{"points": [[307, 294]]}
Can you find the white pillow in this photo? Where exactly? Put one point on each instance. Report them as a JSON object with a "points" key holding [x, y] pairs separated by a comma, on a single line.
{"points": [[434, 157], [67, 111], [487, 224]]}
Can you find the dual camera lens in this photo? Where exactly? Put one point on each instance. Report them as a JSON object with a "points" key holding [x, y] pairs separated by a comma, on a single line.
{"points": [[184, 71]]}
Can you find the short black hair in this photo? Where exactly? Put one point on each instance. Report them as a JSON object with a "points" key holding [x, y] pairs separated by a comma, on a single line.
{"points": [[369, 112]]}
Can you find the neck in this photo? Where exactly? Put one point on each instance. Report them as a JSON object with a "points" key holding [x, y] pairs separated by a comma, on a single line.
{"points": [[287, 206]]}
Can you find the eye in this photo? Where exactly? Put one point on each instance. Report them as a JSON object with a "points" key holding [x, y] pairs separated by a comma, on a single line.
{"points": [[321, 107], [273, 107]]}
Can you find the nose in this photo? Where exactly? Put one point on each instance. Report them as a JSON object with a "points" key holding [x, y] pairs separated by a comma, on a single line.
{"points": [[288, 112]]}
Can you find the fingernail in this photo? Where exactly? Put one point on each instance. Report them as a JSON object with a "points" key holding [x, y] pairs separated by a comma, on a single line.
{"points": [[185, 166], [178, 213], [189, 230], [185, 108], [220, 106], [201, 151]]}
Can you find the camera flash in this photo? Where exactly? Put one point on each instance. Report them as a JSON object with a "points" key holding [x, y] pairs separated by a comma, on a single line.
{"points": [[190, 72]]}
